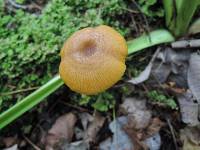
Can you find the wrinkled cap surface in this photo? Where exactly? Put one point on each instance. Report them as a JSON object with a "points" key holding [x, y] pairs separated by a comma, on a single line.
{"points": [[93, 59]]}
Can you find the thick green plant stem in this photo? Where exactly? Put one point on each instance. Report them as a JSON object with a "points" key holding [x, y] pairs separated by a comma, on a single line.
{"points": [[30, 101], [147, 40], [155, 37], [179, 14]]}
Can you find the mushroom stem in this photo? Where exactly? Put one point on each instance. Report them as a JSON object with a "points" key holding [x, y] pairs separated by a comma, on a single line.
{"points": [[154, 38]]}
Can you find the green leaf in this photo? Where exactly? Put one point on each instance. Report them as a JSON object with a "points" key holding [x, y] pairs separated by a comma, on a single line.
{"points": [[100, 105], [179, 15], [84, 100], [145, 7], [153, 38], [1, 100]]}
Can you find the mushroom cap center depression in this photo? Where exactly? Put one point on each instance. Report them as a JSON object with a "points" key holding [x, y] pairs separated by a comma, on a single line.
{"points": [[86, 48]]}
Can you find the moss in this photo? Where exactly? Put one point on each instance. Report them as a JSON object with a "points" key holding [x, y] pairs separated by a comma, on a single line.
{"points": [[160, 98]]}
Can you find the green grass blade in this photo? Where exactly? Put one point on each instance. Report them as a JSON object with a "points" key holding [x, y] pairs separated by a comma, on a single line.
{"points": [[184, 16], [169, 11], [155, 37], [195, 27], [178, 21], [151, 39], [28, 102]]}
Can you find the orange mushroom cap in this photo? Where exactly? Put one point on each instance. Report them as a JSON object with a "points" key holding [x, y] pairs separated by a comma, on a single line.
{"points": [[93, 59]]}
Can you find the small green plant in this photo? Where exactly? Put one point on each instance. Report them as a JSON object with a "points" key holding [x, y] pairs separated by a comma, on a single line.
{"points": [[102, 102], [179, 14], [146, 8], [84, 100], [159, 97]]}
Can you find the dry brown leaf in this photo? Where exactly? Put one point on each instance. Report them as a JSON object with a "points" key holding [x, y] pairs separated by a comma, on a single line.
{"points": [[172, 65], [188, 109], [173, 88], [86, 118], [191, 138], [63, 129], [126, 137], [145, 138], [14, 147], [154, 127], [194, 75], [190, 146], [137, 112], [93, 128], [79, 145], [10, 141], [133, 135]]}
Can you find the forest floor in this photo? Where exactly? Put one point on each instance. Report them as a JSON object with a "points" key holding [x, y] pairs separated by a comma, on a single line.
{"points": [[152, 107]]}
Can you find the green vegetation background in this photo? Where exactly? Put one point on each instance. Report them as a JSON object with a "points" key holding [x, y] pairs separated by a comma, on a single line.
{"points": [[30, 43]]}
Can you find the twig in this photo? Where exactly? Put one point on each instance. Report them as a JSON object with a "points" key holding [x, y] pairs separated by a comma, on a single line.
{"points": [[145, 88], [160, 85], [31, 143], [130, 10], [14, 4], [134, 24], [35, 5], [172, 132], [186, 44], [19, 91], [24, 7], [76, 107], [52, 107]]}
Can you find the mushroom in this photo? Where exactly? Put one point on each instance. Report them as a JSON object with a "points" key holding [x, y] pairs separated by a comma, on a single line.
{"points": [[93, 59]]}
